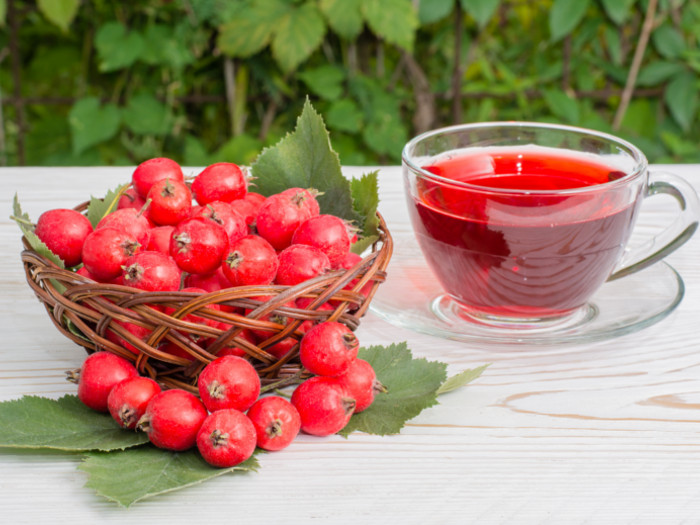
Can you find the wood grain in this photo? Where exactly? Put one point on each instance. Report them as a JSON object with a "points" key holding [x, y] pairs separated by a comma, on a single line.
{"points": [[607, 432]]}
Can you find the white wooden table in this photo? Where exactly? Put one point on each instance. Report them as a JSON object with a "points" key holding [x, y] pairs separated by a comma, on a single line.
{"points": [[606, 432]]}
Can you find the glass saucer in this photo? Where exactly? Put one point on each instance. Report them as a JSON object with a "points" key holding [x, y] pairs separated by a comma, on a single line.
{"points": [[412, 298]]}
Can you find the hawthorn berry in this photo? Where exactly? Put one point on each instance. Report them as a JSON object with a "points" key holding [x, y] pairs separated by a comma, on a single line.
{"points": [[131, 199], [361, 383], [248, 206], [64, 231], [106, 250], [223, 214], [328, 233], [100, 372], [299, 263], [198, 245], [223, 181], [228, 382], [250, 260], [160, 239], [128, 399], [171, 202], [172, 419], [152, 272], [281, 214], [151, 171], [226, 438], [328, 348], [324, 405], [276, 422], [128, 220]]}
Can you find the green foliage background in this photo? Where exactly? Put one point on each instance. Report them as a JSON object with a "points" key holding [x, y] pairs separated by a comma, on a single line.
{"points": [[89, 82]]}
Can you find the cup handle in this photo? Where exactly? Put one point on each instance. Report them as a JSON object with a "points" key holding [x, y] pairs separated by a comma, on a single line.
{"points": [[673, 237]]}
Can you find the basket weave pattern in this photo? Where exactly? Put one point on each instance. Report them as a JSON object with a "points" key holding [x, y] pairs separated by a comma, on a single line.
{"points": [[84, 311]]}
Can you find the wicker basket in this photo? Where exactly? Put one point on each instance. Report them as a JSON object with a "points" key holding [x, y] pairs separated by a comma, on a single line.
{"points": [[84, 311]]}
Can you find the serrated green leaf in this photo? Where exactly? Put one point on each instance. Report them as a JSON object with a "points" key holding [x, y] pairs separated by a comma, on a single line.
{"points": [[434, 10], [298, 35], [365, 199], [252, 29], [305, 159], [99, 207], [144, 114], [565, 15], [618, 10], [681, 97], [668, 41], [90, 123], [461, 379], [59, 12], [139, 473], [344, 17], [344, 115], [481, 10], [25, 224], [324, 81], [395, 21], [411, 387], [62, 424], [117, 47]]}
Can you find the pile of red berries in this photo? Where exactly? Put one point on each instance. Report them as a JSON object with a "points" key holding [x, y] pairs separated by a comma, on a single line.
{"points": [[229, 419]]}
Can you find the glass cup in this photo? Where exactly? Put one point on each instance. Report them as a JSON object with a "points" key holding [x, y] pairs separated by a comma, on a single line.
{"points": [[522, 222]]}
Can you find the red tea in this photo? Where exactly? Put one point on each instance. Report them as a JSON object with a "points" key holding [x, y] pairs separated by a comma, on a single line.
{"points": [[531, 253]]}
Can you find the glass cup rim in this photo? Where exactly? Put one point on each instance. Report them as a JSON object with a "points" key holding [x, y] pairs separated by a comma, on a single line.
{"points": [[641, 163]]}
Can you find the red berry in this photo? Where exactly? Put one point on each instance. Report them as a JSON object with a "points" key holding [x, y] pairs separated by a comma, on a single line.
{"points": [[192, 318], [228, 382], [299, 263], [248, 206], [151, 171], [152, 271], [348, 261], [131, 199], [128, 220], [226, 438], [223, 214], [250, 260], [282, 213], [138, 331], [172, 419], [276, 422], [223, 181], [323, 404], [100, 372], [328, 233], [128, 399], [106, 250], [64, 231], [198, 245], [171, 202], [233, 347], [160, 239], [361, 383], [328, 349], [211, 282]]}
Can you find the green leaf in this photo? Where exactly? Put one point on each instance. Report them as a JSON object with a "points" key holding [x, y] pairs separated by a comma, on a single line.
{"points": [[344, 115], [681, 97], [365, 199], [144, 114], [25, 224], [305, 159], [461, 379], [59, 12], [344, 17], [386, 134], [250, 31], [91, 123], [63, 424], [298, 35], [162, 47], [99, 207], [562, 105], [324, 81], [658, 72], [117, 47], [480, 10], [565, 15], [668, 41], [614, 43], [196, 152], [412, 386], [241, 149], [618, 10], [395, 21], [3, 12], [139, 473], [434, 10]]}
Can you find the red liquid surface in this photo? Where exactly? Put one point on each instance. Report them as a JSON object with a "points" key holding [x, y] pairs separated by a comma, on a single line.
{"points": [[522, 255]]}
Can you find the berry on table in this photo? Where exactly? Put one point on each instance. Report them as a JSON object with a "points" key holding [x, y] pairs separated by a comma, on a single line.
{"points": [[226, 438], [100, 372], [228, 382], [323, 404], [64, 231], [172, 419], [362, 384], [276, 422], [328, 349], [128, 399]]}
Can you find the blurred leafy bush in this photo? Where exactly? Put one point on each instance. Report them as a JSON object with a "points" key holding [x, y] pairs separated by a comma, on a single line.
{"points": [[98, 82]]}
